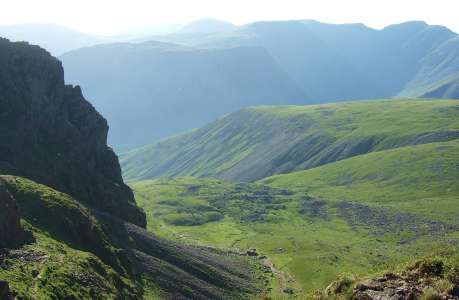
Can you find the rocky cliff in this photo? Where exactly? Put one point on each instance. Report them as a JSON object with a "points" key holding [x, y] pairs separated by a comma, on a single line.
{"points": [[51, 134], [11, 232]]}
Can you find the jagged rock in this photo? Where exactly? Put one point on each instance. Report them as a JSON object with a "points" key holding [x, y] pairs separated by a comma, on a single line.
{"points": [[11, 233], [52, 135]]}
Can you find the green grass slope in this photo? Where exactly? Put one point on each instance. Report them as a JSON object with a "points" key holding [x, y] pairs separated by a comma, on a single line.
{"points": [[80, 253], [421, 178], [258, 142], [361, 215], [72, 256]]}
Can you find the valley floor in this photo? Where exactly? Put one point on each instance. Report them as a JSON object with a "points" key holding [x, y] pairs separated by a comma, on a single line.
{"points": [[318, 224]]}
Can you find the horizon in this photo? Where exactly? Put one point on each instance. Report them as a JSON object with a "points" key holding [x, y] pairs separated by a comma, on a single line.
{"points": [[175, 27], [118, 17]]}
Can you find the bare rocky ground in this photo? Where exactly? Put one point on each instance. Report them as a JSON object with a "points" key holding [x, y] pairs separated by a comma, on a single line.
{"points": [[429, 279], [186, 272], [382, 221]]}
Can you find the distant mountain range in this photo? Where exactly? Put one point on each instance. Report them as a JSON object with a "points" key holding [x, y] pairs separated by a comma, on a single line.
{"points": [[207, 26], [208, 68], [290, 62], [152, 90], [351, 61]]}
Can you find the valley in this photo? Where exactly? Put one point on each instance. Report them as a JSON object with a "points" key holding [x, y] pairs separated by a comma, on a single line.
{"points": [[279, 159], [359, 215]]}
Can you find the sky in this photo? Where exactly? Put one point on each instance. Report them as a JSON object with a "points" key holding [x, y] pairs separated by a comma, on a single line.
{"points": [[113, 16]]}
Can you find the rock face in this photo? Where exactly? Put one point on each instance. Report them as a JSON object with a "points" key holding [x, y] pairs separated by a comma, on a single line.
{"points": [[11, 232], [51, 134], [429, 278]]}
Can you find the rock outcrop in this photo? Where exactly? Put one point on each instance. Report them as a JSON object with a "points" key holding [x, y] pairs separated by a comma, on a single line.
{"points": [[52, 135], [11, 233], [430, 278]]}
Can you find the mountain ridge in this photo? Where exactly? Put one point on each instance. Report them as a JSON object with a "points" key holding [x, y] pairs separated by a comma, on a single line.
{"points": [[308, 62], [210, 82], [263, 141]]}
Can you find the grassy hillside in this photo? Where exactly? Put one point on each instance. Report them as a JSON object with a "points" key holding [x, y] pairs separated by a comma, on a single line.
{"points": [[262, 141], [358, 216], [65, 231], [86, 254]]}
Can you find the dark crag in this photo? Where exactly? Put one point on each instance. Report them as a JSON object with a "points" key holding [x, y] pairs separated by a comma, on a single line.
{"points": [[52, 135]]}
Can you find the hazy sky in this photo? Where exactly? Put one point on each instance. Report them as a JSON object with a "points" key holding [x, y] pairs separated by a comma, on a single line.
{"points": [[111, 16]]}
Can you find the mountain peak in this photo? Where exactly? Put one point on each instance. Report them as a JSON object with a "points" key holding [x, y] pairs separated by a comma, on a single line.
{"points": [[208, 25]]}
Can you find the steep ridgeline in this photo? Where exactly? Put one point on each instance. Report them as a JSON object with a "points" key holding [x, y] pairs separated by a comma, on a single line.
{"points": [[70, 226], [54, 136], [258, 142], [152, 90], [438, 75]]}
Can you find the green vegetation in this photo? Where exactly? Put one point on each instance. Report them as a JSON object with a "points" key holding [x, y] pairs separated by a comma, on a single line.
{"points": [[429, 278], [421, 179], [80, 253], [49, 269], [190, 201], [262, 141], [358, 216], [71, 257]]}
